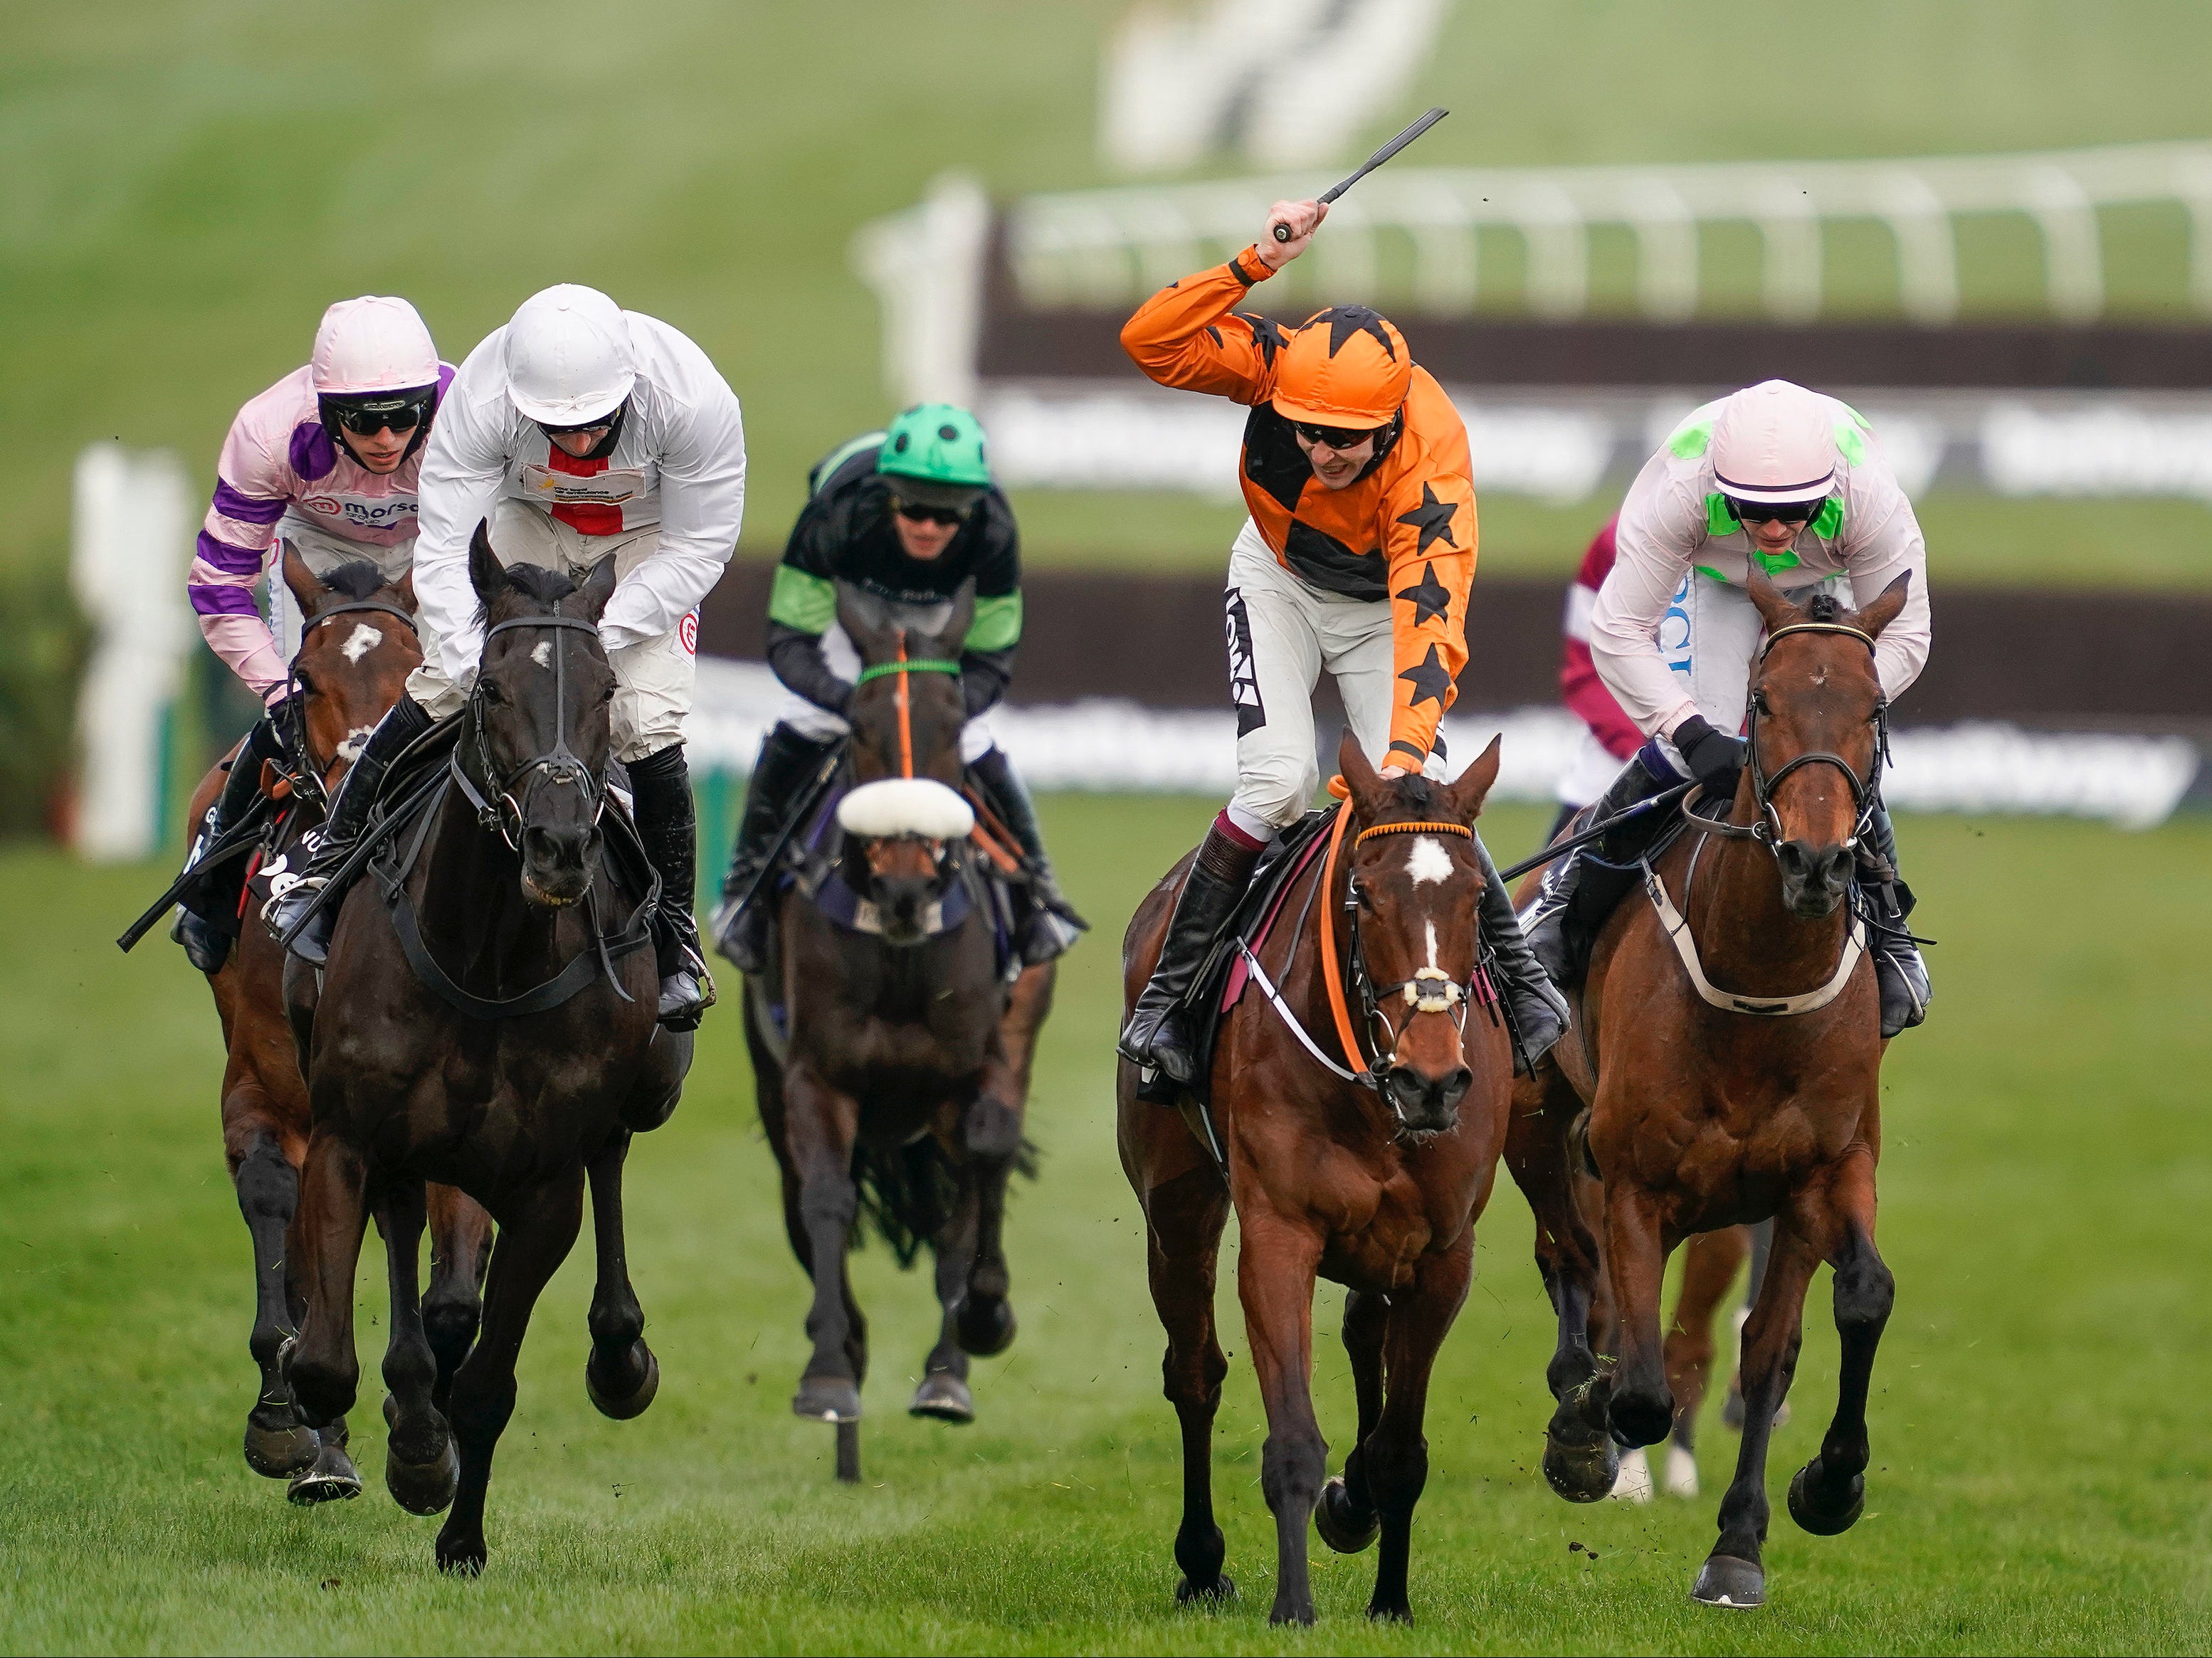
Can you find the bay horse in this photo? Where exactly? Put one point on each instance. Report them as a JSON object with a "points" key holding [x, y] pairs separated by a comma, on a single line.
{"points": [[357, 645], [1728, 1050], [476, 1026], [891, 1050], [1369, 1171]]}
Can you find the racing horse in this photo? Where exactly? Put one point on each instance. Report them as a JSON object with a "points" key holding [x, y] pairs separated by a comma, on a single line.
{"points": [[476, 1024], [357, 645], [1368, 1165], [1727, 1048], [892, 1045]]}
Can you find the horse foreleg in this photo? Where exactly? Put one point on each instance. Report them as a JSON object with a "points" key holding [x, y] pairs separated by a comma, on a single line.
{"points": [[323, 1370], [1829, 1492], [821, 1125], [421, 1467], [1642, 1410], [1345, 1515], [985, 1325], [1183, 1218], [943, 1392], [1733, 1575], [460, 1249], [1397, 1455], [622, 1375], [1710, 1262], [1275, 1269], [278, 1443], [536, 1233]]}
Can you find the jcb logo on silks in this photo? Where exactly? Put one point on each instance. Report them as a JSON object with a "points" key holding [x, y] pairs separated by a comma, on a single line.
{"points": [[1243, 677]]}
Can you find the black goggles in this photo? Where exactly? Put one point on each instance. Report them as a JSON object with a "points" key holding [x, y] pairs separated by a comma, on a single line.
{"points": [[1777, 511], [915, 512], [1334, 437], [367, 418]]}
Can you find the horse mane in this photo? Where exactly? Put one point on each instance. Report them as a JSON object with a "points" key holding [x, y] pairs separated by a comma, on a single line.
{"points": [[356, 579], [548, 587], [1824, 607]]}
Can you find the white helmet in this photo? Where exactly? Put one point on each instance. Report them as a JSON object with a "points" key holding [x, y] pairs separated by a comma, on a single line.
{"points": [[569, 356], [372, 345], [1775, 443]]}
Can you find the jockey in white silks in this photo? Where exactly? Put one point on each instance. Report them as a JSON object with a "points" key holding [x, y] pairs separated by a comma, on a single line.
{"points": [[1797, 481], [323, 466], [579, 432]]}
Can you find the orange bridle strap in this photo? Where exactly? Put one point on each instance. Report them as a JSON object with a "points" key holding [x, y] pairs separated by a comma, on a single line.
{"points": [[1332, 976], [905, 712]]}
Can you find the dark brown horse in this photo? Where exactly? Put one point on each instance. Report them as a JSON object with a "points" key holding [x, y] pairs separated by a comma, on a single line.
{"points": [[1728, 1049], [357, 645], [1370, 1172], [481, 1024], [899, 1074]]}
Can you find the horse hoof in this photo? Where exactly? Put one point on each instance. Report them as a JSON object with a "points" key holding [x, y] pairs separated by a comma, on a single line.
{"points": [[985, 1328], [1817, 1520], [1340, 1523], [624, 1407], [1581, 1473], [279, 1452], [424, 1488], [826, 1399], [944, 1396], [1222, 1590], [462, 1557], [333, 1478], [1727, 1582]]}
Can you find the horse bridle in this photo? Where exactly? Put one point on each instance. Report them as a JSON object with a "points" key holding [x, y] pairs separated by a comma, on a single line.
{"points": [[1865, 790], [558, 764], [310, 780]]}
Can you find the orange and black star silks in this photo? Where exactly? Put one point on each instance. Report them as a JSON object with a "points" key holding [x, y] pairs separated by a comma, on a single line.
{"points": [[1403, 534]]}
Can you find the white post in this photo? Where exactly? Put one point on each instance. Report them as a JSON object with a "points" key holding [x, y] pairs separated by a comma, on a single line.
{"points": [[131, 542], [927, 267]]}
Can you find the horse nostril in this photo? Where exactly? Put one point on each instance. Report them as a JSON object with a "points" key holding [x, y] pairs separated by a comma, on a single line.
{"points": [[1456, 1086]]}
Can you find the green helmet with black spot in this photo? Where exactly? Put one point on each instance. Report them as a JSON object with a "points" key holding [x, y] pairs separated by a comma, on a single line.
{"points": [[933, 455]]}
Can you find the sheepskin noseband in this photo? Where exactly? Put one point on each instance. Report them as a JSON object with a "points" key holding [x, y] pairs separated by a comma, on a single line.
{"points": [[906, 805]]}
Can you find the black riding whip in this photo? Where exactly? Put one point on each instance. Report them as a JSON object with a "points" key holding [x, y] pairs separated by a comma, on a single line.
{"points": [[1283, 231]]}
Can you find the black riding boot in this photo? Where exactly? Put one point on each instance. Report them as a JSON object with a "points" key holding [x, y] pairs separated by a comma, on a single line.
{"points": [[1580, 889], [1898, 967], [1539, 1012], [1158, 1034], [660, 785], [337, 838], [204, 916], [1050, 925], [788, 761]]}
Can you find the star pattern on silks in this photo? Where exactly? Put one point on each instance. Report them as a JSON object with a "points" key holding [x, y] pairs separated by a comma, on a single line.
{"points": [[1346, 320], [1433, 518], [1266, 334], [1429, 680], [1430, 597]]}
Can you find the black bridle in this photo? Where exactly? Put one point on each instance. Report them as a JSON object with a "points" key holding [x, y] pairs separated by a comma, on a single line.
{"points": [[1865, 790], [309, 781], [559, 764]]}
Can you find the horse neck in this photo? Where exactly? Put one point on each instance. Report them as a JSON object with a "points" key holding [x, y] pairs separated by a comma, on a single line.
{"points": [[1306, 991], [468, 904], [1748, 939]]}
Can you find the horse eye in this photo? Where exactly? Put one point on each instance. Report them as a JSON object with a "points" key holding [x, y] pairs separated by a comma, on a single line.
{"points": [[1359, 896], [491, 691]]}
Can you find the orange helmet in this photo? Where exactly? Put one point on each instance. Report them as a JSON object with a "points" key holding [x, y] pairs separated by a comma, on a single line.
{"points": [[1346, 366]]}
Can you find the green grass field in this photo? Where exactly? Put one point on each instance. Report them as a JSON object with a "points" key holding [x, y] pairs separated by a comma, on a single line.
{"points": [[2040, 1473]]}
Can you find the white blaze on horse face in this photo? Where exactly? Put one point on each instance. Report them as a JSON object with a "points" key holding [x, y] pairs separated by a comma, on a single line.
{"points": [[350, 751], [363, 640], [1428, 860], [1432, 927], [542, 652]]}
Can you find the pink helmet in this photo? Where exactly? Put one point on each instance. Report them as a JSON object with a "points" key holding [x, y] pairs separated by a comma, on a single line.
{"points": [[1775, 443], [372, 345]]}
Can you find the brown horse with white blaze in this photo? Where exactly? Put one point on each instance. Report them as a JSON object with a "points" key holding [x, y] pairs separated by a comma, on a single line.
{"points": [[1728, 1050], [1370, 1173]]}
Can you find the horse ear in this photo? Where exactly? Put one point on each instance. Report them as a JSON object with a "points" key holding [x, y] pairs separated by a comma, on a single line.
{"points": [[306, 588], [1883, 612], [1359, 775], [485, 574], [405, 588], [598, 587], [1774, 610], [1475, 784], [954, 635], [874, 643]]}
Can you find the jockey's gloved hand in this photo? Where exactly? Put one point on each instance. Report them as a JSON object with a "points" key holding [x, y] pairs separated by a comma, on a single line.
{"points": [[1714, 757]]}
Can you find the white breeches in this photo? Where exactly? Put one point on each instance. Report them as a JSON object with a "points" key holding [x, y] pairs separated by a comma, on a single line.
{"points": [[1711, 638], [654, 678]]}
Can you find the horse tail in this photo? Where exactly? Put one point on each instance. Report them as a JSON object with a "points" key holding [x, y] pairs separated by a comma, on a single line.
{"points": [[908, 1193]]}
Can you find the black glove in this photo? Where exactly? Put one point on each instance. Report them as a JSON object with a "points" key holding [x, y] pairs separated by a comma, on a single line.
{"points": [[1713, 757]]}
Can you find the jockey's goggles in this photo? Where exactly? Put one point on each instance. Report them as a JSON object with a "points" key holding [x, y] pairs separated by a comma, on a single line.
{"points": [[1334, 437], [366, 416], [915, 512], [1779, 512]]}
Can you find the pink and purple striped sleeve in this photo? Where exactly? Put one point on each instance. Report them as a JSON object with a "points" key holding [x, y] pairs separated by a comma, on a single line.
{"points": [[234, 548]]}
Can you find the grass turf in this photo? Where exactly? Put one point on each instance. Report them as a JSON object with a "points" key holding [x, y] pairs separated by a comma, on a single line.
{"points": [[2038, 1481]]}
